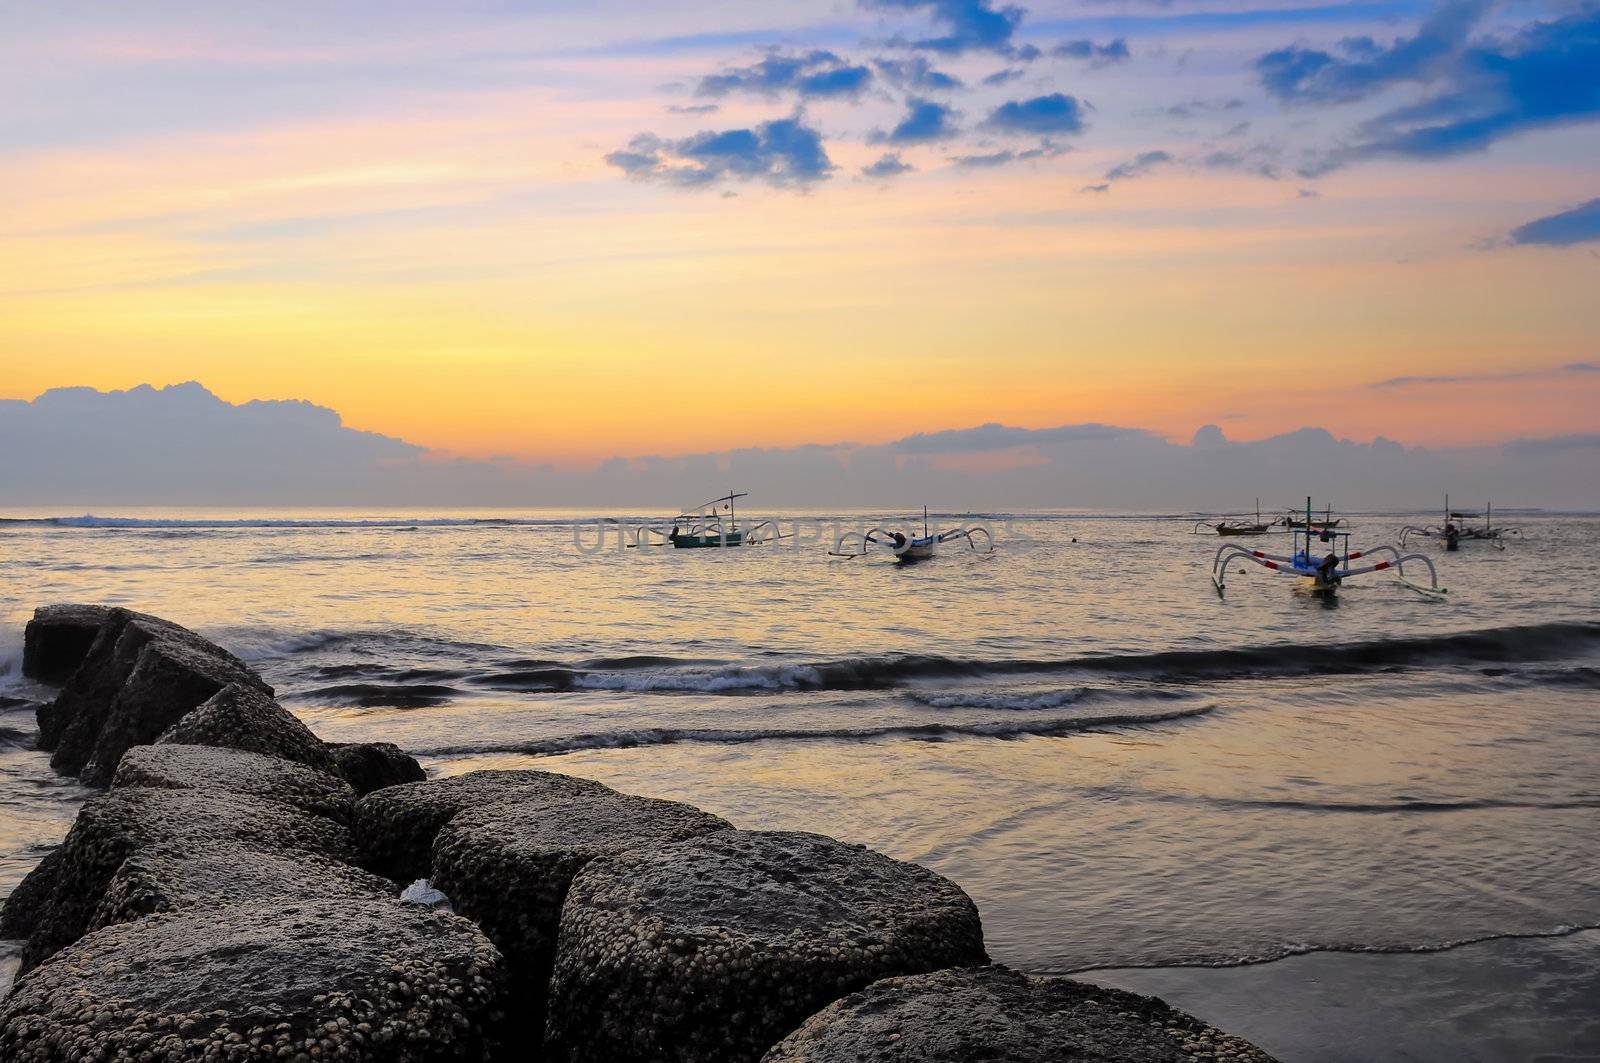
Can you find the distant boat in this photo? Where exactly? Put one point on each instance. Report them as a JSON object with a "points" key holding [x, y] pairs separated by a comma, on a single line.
{"points": [[1294, 520], [1454, 530], [1238, 527], [718, 528], [909, 548]]}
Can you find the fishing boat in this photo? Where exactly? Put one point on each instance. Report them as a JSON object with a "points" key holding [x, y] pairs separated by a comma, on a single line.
{"points": [[1236, 527], [1293, 519], [712, 525], [1454, 529], [1322, 558], [909, 548]]}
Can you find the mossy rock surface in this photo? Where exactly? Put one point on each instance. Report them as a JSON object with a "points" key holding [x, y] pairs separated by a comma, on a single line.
{"points": [[179, 767], [711, 950], [395, 827], [362, 981], [996, 1014]]}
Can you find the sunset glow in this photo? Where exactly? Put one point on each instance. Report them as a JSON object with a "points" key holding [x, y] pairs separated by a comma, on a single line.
{"points": [[410, 217]]}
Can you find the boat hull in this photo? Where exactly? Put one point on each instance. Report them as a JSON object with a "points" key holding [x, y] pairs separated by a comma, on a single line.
{"points": [[701, 542]]}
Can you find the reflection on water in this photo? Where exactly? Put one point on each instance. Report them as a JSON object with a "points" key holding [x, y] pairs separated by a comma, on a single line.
{"points": [[1122, 768]]}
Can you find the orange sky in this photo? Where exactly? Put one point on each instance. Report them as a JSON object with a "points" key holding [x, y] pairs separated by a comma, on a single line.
{"points": [[460, 267]]}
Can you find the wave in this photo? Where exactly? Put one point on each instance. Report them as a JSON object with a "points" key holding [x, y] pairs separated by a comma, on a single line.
{"points": [[665, 736], [89, 520], [1288, 950], [380, 695]]}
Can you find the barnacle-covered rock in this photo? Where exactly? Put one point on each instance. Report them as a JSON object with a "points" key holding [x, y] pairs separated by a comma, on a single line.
{"points": [[361, 981], [507, 866], [373, 766], [58, 638], [112, 827], [175, 767], [22, 910], [140, 676], [220, 873], [395, 827], [992, 1013], [713, 949], [240, 716]]}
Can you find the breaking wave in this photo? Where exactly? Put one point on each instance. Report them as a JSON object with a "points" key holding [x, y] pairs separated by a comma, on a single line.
{"points": [[663, 736]]}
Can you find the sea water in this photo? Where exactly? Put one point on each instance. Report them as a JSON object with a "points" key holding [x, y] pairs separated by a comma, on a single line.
{"points": [[1364, 828]]}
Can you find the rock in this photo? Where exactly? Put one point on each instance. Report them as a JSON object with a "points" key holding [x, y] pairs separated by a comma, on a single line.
{"points": [[713, 949], [175, 767], [58, 638], [240, 716], [507, 867], [372, 766], [141, 675], [220, 873], [114, 826], [992, 1013], [25, 906], [361, 981], [395, 827]]}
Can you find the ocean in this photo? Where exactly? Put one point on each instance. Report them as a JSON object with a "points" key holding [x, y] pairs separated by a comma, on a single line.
{"points": [[1365, 828]]}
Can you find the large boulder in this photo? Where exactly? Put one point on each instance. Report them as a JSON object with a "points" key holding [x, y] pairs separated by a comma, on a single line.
{"points": [[114, 826], [360, 981], [372, 766], [507, 867], [395, 826], [28, 902], [241, 716], [992, 1013], [175, 767], [141, 675], [713, 949], [58, 638], [221, 873]]}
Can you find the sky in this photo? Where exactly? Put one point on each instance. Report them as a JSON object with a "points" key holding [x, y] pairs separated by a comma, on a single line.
{"points": [[561, 232]]}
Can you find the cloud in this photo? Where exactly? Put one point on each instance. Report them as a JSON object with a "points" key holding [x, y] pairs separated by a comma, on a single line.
{"points": [[1196, 108], [925, 122], [693, 108], [88, 450], [1138, 166], [783, 152], [1055, 113], [1115, 51], [1541, 77], [888, 165], [1003, 77], [1306, 75], [1257, 160], [970, 25], [1047, 149], [1578, 225], [1095, 188], [816, 74], [1554, 372], [917, 74]]}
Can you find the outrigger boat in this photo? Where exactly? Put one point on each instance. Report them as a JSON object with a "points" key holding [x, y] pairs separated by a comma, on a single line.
{"points": [[1323, 574], [1293, 520], [908, 548], [1233, 529], [1455, 531], [700, 530]]}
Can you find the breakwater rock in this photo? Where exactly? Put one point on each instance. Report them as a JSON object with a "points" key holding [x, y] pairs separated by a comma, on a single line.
{"points": [[236, 896], [324, 979], [993, 1013], [713, 949]]}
